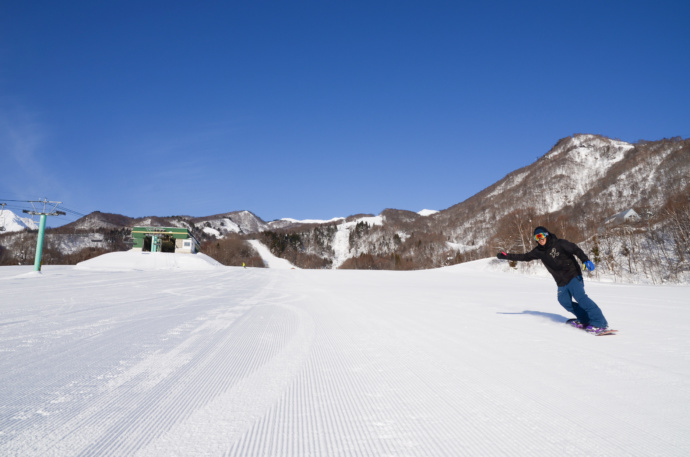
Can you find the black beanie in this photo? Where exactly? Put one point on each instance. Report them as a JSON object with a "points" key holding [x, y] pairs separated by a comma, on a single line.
{"points": [[541, 229]]}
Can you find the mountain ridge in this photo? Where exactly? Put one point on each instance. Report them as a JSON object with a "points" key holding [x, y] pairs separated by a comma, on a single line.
{"points": [[574, 187]]}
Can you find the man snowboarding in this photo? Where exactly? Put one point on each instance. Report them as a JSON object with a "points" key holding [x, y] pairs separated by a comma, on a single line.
{"points": [[558, 256]]}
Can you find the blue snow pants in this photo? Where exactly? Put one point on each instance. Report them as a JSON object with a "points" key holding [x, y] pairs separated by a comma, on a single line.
{"points": [[584, 308]]}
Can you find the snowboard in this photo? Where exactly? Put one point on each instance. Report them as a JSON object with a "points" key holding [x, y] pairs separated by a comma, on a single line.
{"points": [[609, 332]]}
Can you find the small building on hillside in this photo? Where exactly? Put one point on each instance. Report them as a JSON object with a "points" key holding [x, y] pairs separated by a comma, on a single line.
{"points": [[625, 217], [164, 239]]}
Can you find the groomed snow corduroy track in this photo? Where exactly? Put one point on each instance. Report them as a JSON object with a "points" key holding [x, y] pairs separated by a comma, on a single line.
{"points": [[235, 362]]}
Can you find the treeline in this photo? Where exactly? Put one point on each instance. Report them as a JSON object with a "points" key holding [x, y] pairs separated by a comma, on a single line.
{"points": [[656, 248], [311, 247], [385, 248], [61, 246], [400, 244], [232, 250]]}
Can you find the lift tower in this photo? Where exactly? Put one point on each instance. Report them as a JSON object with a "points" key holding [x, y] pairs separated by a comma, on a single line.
{"points": [[42, 225]]}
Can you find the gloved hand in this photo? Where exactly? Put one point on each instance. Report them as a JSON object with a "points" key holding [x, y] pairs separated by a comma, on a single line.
{"points": [[502, 255], [589, 265]]}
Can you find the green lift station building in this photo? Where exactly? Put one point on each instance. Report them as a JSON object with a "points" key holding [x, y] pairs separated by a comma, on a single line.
{"points": [[164, 239]]}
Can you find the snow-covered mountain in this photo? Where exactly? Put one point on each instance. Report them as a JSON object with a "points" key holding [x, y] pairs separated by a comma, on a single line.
{"points": [[10, 222], [574, 188], [584, 180], [98, 220], [566, 172], [219, 225]]}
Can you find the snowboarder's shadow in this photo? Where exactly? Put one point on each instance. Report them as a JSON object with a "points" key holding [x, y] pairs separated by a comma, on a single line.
{"points": [[550, 316]]}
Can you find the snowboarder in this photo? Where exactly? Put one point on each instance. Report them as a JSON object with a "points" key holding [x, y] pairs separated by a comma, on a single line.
{"points": [[558, 256]]}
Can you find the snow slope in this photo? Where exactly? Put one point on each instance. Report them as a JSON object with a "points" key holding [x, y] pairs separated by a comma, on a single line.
{"points": [[138, 260], [270, 260], [269, 362], [341, 240]]}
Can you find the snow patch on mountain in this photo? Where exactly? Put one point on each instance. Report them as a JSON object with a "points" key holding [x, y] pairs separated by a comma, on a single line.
{"points": [[427, 212], [312, 221], [212, 232], [270, 260], [587, 159], [509, 183], [221, 227], [460, 247], [72, 243], [341, 241], [586, 143]]}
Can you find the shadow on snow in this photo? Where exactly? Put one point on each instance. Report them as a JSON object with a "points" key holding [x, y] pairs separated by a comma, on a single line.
{"points": [[550, 316]]}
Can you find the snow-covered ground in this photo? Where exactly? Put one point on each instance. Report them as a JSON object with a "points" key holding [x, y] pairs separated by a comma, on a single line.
{"points": [[226, 361], [138, 260]]}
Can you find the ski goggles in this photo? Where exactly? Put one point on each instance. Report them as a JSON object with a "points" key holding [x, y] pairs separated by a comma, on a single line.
{"points": [[540, 236]]}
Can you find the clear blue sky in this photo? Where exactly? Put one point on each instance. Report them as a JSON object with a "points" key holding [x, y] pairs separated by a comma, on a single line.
{"points": [[318, 109]]}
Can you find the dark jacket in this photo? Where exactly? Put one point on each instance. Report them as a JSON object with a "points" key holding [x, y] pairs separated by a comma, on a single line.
{"points": [[558, 256]]}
